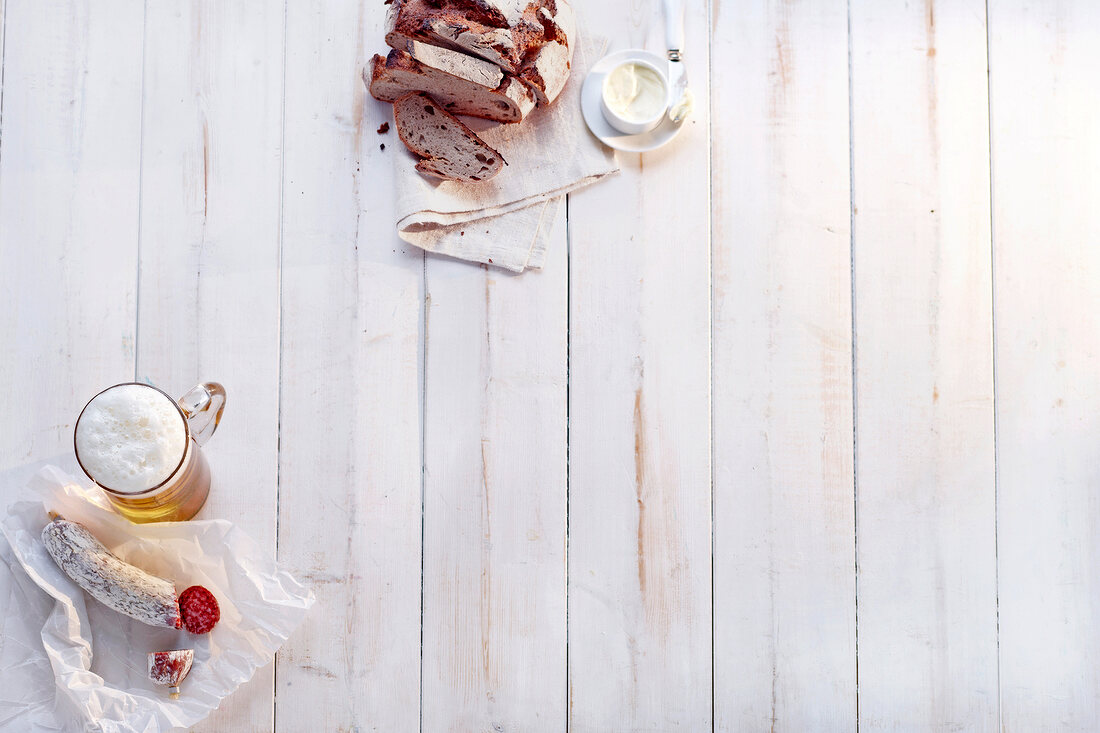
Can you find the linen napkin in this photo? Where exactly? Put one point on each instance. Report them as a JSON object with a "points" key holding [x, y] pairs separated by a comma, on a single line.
{"points": [[507, 221]]}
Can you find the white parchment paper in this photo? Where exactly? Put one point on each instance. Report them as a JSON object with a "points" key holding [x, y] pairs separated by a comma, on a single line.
{"points": [[70, 663]]}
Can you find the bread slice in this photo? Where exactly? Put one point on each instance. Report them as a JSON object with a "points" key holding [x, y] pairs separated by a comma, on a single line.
{"points": [[447, 148], [457, 91], [459, 64]]}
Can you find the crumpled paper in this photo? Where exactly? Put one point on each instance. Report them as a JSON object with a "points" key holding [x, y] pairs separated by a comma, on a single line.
{"points": [[82, 666]]}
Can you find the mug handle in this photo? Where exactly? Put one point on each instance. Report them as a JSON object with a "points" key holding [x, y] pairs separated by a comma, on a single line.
{"points": [[202, 407]]}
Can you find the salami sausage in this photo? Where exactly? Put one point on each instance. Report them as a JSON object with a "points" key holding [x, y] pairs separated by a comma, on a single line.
{"points": [[114, 583], [169, 668]]}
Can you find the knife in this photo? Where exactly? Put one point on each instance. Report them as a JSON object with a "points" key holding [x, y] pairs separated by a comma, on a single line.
{"points": [[679, 96]]}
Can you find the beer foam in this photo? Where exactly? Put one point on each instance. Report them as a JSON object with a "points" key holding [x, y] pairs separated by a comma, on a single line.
{"points": [[130, 438]]}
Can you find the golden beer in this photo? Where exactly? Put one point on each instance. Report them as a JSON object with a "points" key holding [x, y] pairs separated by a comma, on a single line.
{"points": [[142, 448]]}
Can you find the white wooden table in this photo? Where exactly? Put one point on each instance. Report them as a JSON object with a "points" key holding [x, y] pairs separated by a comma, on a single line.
{"points": [[798, 430]]}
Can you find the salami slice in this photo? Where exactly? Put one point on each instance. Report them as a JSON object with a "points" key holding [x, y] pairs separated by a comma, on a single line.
{"points": [[200, 610], [169, 668]]}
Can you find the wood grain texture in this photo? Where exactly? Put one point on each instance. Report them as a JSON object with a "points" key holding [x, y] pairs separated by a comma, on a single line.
{"points": [[208, 299], [495, 496], [69, 151], [3, 17], [1045, 111], [784, 544], [927, 615], [197, 191], [350, 461], [639, 503]]}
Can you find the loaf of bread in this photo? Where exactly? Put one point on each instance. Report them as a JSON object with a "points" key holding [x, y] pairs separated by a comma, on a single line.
{"points": [[447, 148], [494, 59], [532, 39], [458, 91]]}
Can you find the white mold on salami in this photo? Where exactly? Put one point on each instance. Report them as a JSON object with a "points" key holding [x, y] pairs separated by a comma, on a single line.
{"points": [[114, 583]]}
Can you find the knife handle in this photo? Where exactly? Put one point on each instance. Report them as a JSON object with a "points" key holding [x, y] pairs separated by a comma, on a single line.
{"points": [[674, 26]]}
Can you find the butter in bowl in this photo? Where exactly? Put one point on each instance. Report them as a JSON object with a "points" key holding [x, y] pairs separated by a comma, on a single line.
{"points": [[634, 97]]}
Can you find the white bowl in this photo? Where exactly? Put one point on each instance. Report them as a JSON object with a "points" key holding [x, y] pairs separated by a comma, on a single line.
{"points": [[632, 126]]}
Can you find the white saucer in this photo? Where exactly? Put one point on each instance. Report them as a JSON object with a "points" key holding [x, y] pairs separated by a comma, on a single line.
{"points": [[593, 115]]}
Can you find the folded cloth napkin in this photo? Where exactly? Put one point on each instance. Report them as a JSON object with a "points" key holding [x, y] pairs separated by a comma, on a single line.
{"points": [[507, 221]]}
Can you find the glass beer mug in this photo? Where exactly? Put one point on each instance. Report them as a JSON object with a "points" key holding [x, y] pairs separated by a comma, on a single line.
{"points": [[142, 448]]}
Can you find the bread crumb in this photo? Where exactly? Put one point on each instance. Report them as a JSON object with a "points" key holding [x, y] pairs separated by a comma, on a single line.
{"points": [[383, 128]]}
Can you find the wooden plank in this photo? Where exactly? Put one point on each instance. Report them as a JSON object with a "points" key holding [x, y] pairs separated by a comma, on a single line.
{"points": [[784, 535], [495, 496], [927, 616], [349, 471], [69, 149], [3, 18], [640, 499], [1044, 116], [208, 299]]}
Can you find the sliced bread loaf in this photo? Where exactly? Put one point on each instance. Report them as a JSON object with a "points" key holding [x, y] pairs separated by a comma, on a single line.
{"points": [[532, 39], [447, 148], [400, 73]]}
